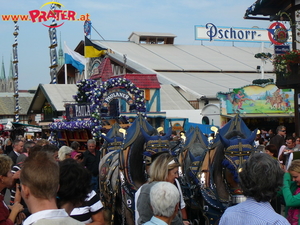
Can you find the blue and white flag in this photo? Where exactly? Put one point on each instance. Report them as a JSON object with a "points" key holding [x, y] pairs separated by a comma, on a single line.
{"points": [[74, 58]]}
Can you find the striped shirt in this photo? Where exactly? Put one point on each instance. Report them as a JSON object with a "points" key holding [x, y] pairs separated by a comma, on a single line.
{"points": [[251, 212], [92, 205]]}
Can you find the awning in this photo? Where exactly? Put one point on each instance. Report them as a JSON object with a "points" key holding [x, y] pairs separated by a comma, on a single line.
{"points": [[262, 115], [268, 10], [21, 126]]}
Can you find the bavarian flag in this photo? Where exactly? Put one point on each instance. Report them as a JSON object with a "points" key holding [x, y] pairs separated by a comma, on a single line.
{"points": [[91, 50]]}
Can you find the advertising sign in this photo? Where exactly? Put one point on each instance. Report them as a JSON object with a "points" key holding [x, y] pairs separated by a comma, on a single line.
{"points": [[278, 34], [256, 99], [74, 111], [281, 49], [212, 32]]}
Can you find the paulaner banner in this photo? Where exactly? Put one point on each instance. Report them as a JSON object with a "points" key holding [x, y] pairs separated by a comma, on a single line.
{"points": [[211, 32]]}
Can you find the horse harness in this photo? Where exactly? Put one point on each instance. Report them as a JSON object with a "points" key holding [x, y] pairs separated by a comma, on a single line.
{"points": [[106, 173]]}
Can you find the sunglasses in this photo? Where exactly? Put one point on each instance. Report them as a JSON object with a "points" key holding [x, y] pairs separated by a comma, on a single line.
{"points": [[283, 130]]}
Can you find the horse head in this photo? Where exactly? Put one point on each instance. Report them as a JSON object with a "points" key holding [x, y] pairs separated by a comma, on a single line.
{"points": [[113, 140], [237, 150], [155, 144]]}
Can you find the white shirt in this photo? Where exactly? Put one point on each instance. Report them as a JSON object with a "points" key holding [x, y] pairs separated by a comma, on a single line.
{"points": [[46, 214], [137, 194]]}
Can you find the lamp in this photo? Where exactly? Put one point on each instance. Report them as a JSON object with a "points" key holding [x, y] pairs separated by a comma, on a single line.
{"points": [[258, 69]]}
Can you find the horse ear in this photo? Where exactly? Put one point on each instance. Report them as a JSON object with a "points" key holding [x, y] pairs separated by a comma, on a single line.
{"points": [[109, 140], [167, 135], [252, 136], [224, 140]]}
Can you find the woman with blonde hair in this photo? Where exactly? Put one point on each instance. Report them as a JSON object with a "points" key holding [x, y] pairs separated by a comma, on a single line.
{"points": [[291, 192], [163, 168], [6, 180]]}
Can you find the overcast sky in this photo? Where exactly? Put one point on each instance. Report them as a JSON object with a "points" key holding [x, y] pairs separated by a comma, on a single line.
{"points": [[114, 20]]}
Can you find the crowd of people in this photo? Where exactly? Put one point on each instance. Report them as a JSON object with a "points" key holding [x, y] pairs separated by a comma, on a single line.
{"points": [[51, 185]]}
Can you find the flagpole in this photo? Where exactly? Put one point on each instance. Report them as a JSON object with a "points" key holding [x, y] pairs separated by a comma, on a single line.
{"points": [[85, 68], [66, 74]]}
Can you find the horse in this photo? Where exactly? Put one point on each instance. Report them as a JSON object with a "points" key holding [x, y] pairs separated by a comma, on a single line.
{"points": [[194, 148], [275, 102], [213, 175], [113, 140], [122, 172]]}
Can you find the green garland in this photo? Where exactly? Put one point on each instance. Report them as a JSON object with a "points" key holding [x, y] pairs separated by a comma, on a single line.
{"points": [[263, 55], [262, 81]]}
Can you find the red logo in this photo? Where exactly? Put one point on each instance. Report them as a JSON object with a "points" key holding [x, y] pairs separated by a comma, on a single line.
{"points": [[277, 33]]}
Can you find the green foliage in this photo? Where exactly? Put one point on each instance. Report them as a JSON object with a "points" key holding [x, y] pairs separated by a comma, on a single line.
{"points": [[263, 55], [262, 81]]}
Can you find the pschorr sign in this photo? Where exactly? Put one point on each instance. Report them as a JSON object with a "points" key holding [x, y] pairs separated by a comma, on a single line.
{"points": [[211, 32]]}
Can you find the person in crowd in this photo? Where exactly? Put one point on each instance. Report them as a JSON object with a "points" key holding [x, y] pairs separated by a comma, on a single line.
{"points": [[272, 151], [260, 179], [8, 214], [2, 142], [8, 147], [75, 154], [74, 184], [261, 145], [163, 168], [17, 150], [90, 212], [279, 139], [289, 148], [164, 201], [91, 160], [39, 184], [42, 142], [52, 150], [26, 148], [76, 179], [75, 147], [64, 153], [16, 172], [15, 193], [297, 142], [291, 192]]}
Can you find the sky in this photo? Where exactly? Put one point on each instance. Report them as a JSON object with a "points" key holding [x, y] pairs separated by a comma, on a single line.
{"points": [[113, 20]]}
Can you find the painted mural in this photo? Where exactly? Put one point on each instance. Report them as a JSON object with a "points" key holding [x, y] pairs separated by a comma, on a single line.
{"points": [[257, 99]]}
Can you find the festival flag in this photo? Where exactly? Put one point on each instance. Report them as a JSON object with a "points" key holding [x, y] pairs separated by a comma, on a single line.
{"points": [[74, 58], [91, 50]]}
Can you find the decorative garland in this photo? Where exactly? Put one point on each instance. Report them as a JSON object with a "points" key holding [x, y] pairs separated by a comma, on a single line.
{"points": [[85, 90], [89, 92], [72, 125], [263, 81], [96, 99], [263, 55]]}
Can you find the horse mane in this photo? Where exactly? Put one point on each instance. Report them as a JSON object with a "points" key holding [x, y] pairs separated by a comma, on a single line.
{"points": [[136, 160], [217, 167]]}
